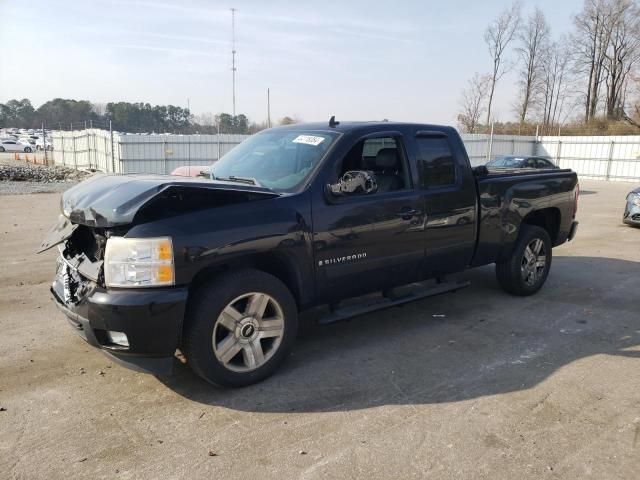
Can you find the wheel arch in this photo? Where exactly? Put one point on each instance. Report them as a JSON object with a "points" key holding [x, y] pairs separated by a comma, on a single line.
{"points": [[272, 263], [548, 219]]}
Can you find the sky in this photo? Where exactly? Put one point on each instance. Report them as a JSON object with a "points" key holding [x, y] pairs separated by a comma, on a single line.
{"points": [[358, 60]]}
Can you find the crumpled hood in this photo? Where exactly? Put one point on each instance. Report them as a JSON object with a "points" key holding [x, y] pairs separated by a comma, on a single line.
{"points": [[108, 200]]}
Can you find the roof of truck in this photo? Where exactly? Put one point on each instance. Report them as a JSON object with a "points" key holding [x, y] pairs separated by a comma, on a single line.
{"points": [[347, 126]]}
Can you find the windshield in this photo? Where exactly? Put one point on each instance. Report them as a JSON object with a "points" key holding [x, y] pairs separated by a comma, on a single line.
{"points": [[276, 159], [505, 162]]}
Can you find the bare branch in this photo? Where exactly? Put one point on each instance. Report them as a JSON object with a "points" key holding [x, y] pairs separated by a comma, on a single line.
{"points": [[498, 36], [472, 102], [533, 43]]}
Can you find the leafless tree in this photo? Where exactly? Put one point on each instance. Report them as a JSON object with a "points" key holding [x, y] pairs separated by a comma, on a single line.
{"points": [[207, 119], [287, 120], [498, 36], [591, 37], [622, 55], [472, 102], [555, 80], [99, 108], [533, 41], [634, 117]]}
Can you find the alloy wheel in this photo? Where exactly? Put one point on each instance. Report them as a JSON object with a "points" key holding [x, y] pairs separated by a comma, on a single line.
{"points": [[248, 332], [534, 261]]}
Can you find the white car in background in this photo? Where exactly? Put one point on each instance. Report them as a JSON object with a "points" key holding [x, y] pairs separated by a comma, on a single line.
{"points": [[40, 143], [29, 140], [11, 145]]}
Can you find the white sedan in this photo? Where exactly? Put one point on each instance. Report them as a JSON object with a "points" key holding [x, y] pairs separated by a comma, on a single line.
{"points": [[15, 146], [40, 144]]}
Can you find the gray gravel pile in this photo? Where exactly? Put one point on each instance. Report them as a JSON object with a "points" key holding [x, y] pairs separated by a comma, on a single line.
{"points": [[39, 173]]}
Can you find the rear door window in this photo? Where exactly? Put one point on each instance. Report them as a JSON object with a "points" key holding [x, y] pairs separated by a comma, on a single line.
{"points": [[436, 165]]}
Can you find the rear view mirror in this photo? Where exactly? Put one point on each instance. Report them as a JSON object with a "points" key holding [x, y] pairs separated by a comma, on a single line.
{"points": [[354, 182]]}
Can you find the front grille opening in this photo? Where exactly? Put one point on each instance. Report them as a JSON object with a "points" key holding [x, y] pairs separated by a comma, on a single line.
{"points": [[88, 241]]}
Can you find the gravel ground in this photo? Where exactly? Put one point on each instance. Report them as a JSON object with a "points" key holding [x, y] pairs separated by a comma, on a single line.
{"points": [[473, 385], [21, 188], [19, 177]]}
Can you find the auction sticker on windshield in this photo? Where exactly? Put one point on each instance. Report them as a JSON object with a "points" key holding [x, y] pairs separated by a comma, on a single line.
{"points": [[308, 140]]}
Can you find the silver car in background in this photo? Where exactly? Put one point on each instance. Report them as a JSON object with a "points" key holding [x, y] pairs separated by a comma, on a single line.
{"points": [[631, 214]]}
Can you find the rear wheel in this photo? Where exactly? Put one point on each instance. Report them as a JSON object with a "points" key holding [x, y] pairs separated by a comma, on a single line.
{"points": [[240, 328], [27, 149], [1, 149], [526, 270]]}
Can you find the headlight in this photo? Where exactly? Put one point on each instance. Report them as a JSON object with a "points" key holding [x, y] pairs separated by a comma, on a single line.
{"points": [[635, 199], [138, 262]]}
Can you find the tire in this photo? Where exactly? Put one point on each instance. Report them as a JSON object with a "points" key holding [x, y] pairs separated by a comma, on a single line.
{"points": [[226, 349], [27, 149], [1, 149], [517, 274]]}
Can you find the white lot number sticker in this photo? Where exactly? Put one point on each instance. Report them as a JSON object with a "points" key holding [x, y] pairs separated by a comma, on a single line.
{"points": [[309, 140]]}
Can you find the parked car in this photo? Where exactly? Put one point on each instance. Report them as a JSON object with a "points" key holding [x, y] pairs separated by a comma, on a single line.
{"points": [[520, 161], [294, 218], [28, 140], [631, 214], [15, 146], [40, 144]]}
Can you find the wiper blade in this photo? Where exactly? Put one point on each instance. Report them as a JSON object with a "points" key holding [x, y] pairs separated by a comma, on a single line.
{"points": [[233, 178]]}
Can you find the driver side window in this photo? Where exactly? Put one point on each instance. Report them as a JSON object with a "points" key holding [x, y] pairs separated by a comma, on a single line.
{"points": [[383, 157]]}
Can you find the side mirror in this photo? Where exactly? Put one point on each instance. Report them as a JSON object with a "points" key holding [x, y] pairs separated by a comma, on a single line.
{"points": [[354, 182], [481, 171]]}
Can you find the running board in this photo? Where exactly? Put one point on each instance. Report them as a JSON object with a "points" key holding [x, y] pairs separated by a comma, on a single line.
{"points": [[390, 300]]}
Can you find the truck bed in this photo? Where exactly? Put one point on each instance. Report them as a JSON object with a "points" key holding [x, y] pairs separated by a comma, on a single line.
{"points": [[507, 198]]}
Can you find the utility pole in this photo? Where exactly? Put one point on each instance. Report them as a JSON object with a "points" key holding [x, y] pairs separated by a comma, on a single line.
{"points": [[44, 146], [233, 56], [268, 109]]}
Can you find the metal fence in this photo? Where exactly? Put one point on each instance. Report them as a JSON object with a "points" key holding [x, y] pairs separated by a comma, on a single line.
{"points": [[90, 149], [164, 153], [598, 157], [481, 148], [96, 149]]}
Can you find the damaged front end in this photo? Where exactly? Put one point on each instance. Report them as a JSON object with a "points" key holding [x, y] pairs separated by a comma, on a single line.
{"points": [[138, 326]]}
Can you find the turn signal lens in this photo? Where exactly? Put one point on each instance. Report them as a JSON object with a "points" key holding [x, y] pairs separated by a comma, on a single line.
{"points": [[164, 250], [164, 273]]}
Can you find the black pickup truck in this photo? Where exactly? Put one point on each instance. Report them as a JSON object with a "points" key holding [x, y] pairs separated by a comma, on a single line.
{"points": [[295, 217]]}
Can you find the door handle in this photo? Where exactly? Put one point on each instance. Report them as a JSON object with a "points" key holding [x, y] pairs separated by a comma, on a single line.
{"points": [[408, 214]]}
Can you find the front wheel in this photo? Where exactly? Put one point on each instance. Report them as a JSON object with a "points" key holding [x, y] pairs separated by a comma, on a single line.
{"points": [[239, 328], [1, 149], [27, 149], [525, 270]]}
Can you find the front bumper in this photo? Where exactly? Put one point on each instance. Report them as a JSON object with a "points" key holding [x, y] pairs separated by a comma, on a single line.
{"points": [[151, 318], [631, 214]]}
